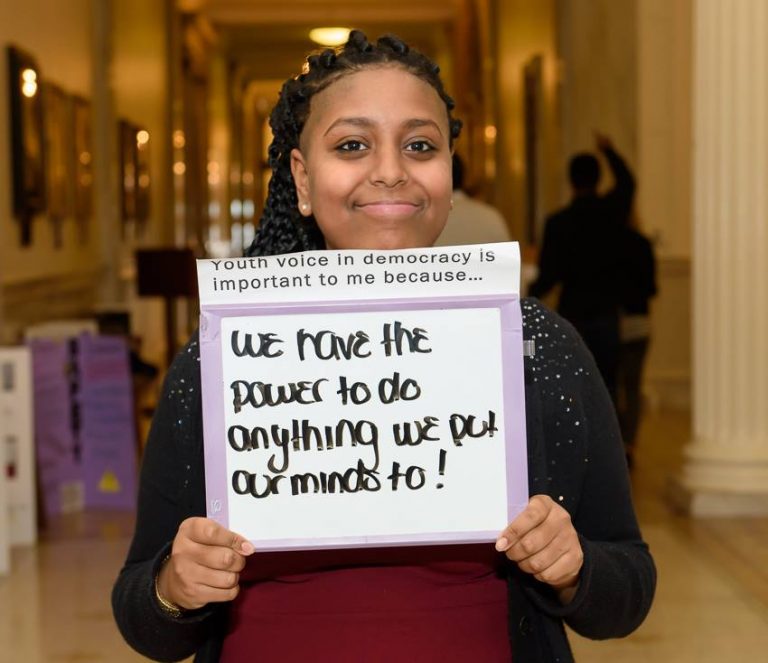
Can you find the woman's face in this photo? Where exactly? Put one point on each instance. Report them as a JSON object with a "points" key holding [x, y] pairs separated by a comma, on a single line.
{"points": [[374, 164]]}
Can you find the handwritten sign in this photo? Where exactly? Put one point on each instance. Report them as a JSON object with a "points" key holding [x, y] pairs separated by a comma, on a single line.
{"points": [[355, 398]]}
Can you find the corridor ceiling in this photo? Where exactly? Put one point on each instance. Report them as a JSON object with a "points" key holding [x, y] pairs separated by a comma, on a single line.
{"points": [[266, 35]]}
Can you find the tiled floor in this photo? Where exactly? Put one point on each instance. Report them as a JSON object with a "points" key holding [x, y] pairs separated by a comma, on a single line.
{"points": [[712, 601], [712, 597], [54, 607]]}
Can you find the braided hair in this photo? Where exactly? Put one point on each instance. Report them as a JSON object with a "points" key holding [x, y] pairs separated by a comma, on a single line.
{"points": [[282, 228]]}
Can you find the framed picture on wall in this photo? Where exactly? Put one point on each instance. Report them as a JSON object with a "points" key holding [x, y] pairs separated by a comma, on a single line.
{"points": [[27, 139], [83, 161], [128, 169], [134, 173], [58, 157], [142, 176], [533, 82]]}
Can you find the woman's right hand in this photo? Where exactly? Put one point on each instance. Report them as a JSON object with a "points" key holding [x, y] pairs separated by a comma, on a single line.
{"points": [[204, 566]]}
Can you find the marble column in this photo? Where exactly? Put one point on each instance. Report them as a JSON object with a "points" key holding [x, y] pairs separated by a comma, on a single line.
{"points": [[725, 471]]}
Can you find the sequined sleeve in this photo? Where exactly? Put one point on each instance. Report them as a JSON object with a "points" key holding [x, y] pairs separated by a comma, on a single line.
{"points": [[171, 489], [576, 456]]}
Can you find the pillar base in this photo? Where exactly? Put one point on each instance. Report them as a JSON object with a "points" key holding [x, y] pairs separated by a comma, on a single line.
{"points": [[708, 503]]}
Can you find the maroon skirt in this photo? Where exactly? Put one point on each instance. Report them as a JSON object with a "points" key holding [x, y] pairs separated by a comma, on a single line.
{"points": [[443, 603]]}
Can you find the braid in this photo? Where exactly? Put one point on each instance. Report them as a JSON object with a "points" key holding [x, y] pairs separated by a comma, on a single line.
{"points": [[282, 228]]}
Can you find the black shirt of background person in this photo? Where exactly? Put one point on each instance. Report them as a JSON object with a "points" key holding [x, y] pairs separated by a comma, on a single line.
{"points": [[580, 246], [639, 279], [638, 287], [582, 250]]}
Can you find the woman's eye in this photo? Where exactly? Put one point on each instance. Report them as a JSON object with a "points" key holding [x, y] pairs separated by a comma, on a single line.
{"points": [[351, 146], [419, 146]]}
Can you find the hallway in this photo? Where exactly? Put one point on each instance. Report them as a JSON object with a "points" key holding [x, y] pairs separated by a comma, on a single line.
{"points": [[132, 128], [711, 605]]}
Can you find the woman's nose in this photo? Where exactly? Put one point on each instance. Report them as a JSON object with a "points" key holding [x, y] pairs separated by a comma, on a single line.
{"points": [[388, 168]]}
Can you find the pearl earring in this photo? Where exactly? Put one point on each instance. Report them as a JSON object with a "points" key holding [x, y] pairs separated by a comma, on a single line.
{"points": [[304, 207]]}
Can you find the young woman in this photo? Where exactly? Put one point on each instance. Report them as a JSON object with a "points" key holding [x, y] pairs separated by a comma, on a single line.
{"points": [[361, 158]]}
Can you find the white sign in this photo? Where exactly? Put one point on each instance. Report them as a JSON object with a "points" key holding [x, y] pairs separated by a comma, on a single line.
{"points": [[16, 443], [387, 414], [449, 271]]}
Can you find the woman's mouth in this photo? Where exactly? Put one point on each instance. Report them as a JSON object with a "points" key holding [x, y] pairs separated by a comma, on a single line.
{"points": [[389, 209]]}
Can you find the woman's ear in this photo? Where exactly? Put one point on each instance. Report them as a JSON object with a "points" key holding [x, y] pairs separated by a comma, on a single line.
{"points": [[301, 180]]}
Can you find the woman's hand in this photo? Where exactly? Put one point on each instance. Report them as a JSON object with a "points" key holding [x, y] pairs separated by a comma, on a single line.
{"points": [[543, 542], [204, 566], [603, 141]]}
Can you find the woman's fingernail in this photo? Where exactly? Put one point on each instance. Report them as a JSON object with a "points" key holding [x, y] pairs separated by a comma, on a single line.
{"points": [[502, 544], [246, 547]]}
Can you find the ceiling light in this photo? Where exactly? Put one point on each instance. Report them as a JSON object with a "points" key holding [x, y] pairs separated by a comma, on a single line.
{"points": [[329, 36]]}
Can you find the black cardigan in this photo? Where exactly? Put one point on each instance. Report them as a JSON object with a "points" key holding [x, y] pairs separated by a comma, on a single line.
{"points": [[575, 456]]}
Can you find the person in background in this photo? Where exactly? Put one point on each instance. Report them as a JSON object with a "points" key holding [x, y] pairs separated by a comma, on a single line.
{"points": [[581, 252], [638, 287], [470, 221], [361, 159]]}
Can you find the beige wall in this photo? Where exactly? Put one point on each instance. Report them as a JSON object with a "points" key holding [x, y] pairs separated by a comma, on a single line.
{"points": [[622, 67], [525, 29], [59, 37], [598, 48], [117, 55], [665, 152], [141, 53], [141, 84], [664, 123], [220, 144]]}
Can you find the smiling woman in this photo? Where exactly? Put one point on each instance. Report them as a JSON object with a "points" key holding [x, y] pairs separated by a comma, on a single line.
{"points": [[361, 160], [376, 174], [372, 127]]}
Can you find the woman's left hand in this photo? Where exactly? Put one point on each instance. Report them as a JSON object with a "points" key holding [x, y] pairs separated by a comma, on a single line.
{"points": [[543, 542]]}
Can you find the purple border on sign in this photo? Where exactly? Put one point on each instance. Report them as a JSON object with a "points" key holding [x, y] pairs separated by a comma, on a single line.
{"points": [[217, 485]]}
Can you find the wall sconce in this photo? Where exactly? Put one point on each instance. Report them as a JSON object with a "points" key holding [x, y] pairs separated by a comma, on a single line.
{"points": [[29, 82], [134, 173]]}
